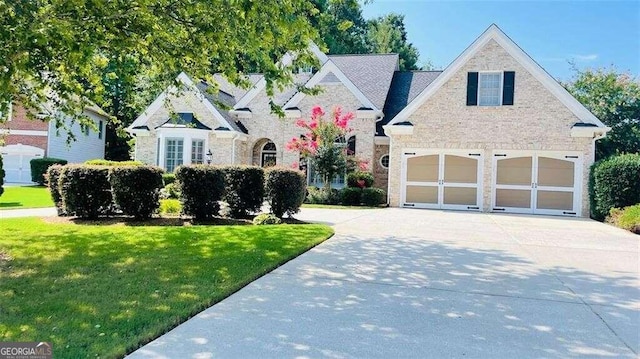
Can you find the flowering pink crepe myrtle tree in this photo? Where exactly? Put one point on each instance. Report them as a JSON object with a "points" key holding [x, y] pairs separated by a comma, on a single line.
{"points": [[318, 144]]}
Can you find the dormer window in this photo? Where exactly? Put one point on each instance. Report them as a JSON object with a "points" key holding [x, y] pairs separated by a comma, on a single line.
{"points": [[490, 88], [305, 70]]}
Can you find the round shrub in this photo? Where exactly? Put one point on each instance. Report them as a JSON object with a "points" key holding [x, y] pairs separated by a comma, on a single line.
{"points": [[1, 177], [373, 197], [136, 189], [266, 218], [52, 179], [244, 189], [39, 167], [201, 187], [614, 183], [360, 179], [285, 190], [85, 191], [350, 196]]}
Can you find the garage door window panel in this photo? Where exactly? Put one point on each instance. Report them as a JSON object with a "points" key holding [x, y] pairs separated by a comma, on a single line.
{"points": [[459, 169], [465, 196], [555, 173], [554, 200], [422, 194], [423, 169], [513, 198], [515, 171]]}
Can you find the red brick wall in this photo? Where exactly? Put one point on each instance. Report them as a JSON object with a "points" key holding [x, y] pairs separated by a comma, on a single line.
{"points": [[36, 141], [19, 121]]}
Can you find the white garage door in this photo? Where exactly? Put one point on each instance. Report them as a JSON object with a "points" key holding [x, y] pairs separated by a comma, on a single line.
{"points": [[16, 162], [442, 179], [537, 182]]}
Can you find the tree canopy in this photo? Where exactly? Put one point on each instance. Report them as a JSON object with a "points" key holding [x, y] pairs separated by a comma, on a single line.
{"points": [[387, 34], [66, 53], [613, 97]]}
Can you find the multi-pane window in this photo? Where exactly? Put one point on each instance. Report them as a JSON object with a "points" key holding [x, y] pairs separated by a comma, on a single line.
{"points": [[173, 153], [489, 89], [100, 126], [197, 152]]}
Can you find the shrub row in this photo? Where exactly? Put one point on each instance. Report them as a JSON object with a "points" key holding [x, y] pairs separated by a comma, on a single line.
{"points": [[348, 196], [627, 218], [90, 191], [110, 163], [614, 183], [39, 168], [360, 179]]}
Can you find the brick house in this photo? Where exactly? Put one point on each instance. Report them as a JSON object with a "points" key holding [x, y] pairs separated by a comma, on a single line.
{"points": [[492, 132], [24, 139]]}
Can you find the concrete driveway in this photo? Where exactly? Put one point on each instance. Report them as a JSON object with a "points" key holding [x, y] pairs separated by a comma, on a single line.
{"points": [[398, 283]]}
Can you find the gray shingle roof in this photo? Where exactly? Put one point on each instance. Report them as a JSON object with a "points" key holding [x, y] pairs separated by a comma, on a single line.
{"points": [[406, 85], [371, 74], [218, 100]]}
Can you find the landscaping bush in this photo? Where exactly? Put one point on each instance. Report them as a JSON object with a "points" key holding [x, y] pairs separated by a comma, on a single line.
{"points": [[322, 195], [627, 218], [350, 196], [360, 179], [168, 178], [136, 189], [52, 179], [202, 187], [1, 176], [266, 218], [170, 191], [373, 197], [99, 162], [614, 183], [85, 191], [244, 189], [39, 167], [285, 190], [170, 206]]}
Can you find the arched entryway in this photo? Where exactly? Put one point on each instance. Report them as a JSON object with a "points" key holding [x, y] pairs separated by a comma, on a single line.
{"points": [[265, 153]]}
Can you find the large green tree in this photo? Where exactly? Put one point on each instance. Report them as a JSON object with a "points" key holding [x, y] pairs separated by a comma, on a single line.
{"points": [[387, 34], [341, 26], [67, 53], [613, 97]]}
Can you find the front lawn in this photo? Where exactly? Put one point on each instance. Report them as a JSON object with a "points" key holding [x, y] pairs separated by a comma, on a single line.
{"points": [[334, 206], [104, 290], [25, 197]]}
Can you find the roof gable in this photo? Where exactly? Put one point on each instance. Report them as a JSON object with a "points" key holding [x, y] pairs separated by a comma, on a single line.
{"points": [[333, 71], [206, 98], [494, 33]]}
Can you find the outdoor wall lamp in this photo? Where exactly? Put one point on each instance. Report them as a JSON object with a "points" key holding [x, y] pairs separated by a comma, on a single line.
{"points": [[209, 156]]}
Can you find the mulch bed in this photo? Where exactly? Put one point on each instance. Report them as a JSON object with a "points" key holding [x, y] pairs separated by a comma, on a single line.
{"points": [[159, 221]]}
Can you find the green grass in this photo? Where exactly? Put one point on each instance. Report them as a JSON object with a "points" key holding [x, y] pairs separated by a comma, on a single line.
{"points": [[334, 206], [25, 197], [104, 290]]}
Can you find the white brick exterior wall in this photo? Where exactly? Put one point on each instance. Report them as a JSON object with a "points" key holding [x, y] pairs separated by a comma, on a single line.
{"points": [[536, 121]]}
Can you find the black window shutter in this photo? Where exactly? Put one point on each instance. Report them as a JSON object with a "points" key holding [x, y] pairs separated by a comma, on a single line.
{"points": [[472, 89], [507, 87]]}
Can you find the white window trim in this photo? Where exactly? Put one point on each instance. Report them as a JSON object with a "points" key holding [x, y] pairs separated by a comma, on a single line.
{"points": [[263, 152], [187, 135], [380, 161], [501, 84], [204, 150]]}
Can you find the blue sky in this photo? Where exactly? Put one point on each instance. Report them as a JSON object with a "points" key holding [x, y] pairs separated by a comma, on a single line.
{"points": [[590, 33]]}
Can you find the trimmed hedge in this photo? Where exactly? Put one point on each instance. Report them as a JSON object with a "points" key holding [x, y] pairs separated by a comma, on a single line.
{"points": [[168, 178], [53, 177], [136, 189], [202, 187], [360, 179], [86, 191], [244, 189], [39, 167], [1, 176], [614, 183], [285, 190], [373, 197], [99, 162], [350, 196]]}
